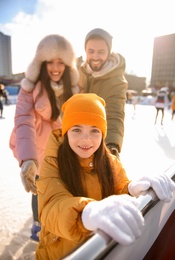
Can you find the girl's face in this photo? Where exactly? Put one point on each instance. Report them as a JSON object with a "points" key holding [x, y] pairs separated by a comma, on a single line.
{"points": [[84, 140], [55, 69]]}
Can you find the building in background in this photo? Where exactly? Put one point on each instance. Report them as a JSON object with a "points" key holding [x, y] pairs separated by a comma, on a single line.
{"points": [[163, 63], [6, 76], [135, 83], [5, 56]]}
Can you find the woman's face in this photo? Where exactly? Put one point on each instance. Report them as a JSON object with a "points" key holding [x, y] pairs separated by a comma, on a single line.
{"points": [[84, 140], [55, 69]]}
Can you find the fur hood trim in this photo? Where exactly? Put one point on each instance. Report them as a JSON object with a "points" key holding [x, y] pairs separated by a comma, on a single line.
{"points": [[51, 47]]}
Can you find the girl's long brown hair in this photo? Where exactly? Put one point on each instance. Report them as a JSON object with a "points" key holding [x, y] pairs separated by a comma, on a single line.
{"points": [[45, 84], [71, 173]]}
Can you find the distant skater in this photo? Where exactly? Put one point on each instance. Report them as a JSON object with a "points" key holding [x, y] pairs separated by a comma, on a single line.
{"points": [[160, 104], [173, 106], [2, 96]]}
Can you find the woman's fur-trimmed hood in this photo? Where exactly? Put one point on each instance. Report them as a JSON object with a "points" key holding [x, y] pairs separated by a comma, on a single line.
{"points": [[50, 47]]}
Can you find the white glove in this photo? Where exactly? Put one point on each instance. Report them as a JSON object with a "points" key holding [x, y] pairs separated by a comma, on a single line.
{"points": [[28, 174], [117, 215], [161, 184]]}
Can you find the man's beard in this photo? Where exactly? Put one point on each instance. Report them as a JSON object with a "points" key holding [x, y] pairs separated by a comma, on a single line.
{"points": [[96, 67]]}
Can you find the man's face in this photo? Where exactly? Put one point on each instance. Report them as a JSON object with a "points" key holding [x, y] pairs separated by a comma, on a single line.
{"points": [[96, 53]]}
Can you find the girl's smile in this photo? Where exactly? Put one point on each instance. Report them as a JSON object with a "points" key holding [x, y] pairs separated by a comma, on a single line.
{"points": [[84, 140]]}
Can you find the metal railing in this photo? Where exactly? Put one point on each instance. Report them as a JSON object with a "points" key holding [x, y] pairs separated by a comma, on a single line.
{"points": [[100, 244]]}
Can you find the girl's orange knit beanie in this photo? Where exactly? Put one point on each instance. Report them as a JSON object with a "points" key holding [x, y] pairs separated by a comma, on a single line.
{"points": [[85, 108]]}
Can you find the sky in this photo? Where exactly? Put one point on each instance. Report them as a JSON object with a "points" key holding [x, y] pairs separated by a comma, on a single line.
{"points": [[133, 24]]}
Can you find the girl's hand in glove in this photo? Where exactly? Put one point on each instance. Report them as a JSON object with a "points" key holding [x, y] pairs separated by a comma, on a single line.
{"points": [[28, 174], [161, 184], [117, 215]]}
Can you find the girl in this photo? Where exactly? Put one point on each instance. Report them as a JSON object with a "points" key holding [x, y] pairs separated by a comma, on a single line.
{"points": [[51, 79], [82, 187]]}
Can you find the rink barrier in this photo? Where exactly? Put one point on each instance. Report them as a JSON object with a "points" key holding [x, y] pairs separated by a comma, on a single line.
{"points": [[156, 213]]}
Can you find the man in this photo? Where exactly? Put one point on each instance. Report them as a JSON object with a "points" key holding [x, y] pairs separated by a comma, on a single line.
{"points": [[103, 74]]}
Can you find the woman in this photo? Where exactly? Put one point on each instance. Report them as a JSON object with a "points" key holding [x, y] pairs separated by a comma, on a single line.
{"points": [[51, 79], [82, 187]]}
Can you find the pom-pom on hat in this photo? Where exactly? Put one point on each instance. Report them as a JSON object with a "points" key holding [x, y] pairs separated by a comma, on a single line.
{"points": [[100, 33], [52, 46], [87, 109]]}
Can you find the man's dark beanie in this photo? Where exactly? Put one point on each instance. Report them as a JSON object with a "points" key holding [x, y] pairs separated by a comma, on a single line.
{"points": [[100, 33]]}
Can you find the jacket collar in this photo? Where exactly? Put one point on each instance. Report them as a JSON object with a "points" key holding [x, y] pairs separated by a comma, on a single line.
{"points": [[87, 163]]}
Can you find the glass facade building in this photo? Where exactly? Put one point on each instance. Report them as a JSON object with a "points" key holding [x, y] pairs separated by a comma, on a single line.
{"points": [[5, 56], [163, 62]]}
